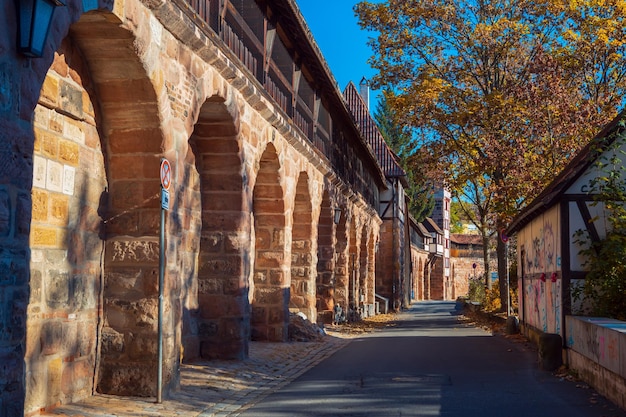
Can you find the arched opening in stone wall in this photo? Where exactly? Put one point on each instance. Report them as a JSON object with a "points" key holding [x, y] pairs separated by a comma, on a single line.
{"points": [[370, 297], [353, 271], [69, 181], [363, 275], [303, 288], [270, 298], [420, 280], [94, 230], [325, 262], [215, 311], [131, 130], [342, 270]]}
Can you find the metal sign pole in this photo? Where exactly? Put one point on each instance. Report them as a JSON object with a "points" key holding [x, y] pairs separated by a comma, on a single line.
{"points": [[166, 180], [160, 330]]}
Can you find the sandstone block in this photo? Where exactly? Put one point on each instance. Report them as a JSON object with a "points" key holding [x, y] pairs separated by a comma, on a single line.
{"points": [[49, 145], [216, 221], [51, 338], [208, 329], [228, 163], [59, 209], [128, 379], [259, 315], [268, 296], [133, 252], [235, 243], [268, 259], [141, 347], [74, 130], [49, 91], [71, 99], [277, 277], [40, 206], [55, 372], [136, 140], [77, 377], [263, 239], [209, 285], [221, 201], [113, 344], [69, 152]]}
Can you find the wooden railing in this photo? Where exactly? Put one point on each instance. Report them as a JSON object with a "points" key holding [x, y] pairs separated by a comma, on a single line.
{"points": [[275, 91], [303, 123], [206, 10], [239, 48]]}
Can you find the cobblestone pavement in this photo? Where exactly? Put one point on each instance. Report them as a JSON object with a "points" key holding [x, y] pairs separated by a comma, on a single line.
{"points": [[219, 388]]}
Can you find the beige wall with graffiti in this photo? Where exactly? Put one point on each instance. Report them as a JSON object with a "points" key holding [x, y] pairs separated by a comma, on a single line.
{"points": [[539, 272]]}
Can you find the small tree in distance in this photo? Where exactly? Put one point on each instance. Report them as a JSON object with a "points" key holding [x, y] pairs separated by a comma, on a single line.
{"points": [[398, 138]]}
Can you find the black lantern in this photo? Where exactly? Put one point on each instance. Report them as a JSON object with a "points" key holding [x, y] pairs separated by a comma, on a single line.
{"points": [[337, 217], [34, 19]]}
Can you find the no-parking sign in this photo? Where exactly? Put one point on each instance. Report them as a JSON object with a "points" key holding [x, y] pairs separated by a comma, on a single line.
{"points": [[166, 174]]}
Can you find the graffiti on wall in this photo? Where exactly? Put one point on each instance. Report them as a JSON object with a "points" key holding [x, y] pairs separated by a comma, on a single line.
{"points": [[540, 267], [543, 305], [598, 339], [542, 256]]}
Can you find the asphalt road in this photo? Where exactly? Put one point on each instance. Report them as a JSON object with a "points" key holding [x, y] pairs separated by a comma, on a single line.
{"points": [[430, 364]]}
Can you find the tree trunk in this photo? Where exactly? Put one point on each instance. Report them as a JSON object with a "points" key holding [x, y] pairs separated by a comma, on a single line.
{"points": [[487, 276], [502, 274]]}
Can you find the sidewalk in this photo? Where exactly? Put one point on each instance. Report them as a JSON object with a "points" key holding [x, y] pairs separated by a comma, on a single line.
{"points": [[219, 388]]}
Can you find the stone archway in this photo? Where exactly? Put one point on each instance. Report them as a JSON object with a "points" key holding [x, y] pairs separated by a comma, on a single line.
{"points": [[303, 289], [342, 271], [94, 230], [131, 132], [363, 273], [270, 292], [325, 262], [215, 311], [370, 297], [353, 271]]}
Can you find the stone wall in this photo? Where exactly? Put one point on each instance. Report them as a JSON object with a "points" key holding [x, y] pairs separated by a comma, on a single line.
{"points": [[462, 271], [419, 273], [385, 262], [116, 92], [66, 248], [595, 350], [438, 282]]}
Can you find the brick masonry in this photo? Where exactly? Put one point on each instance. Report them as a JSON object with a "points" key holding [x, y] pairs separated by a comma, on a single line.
{"points": [[249, 232]]}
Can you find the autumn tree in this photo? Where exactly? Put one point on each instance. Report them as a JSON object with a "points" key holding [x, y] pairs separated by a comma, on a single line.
{"points": [[501, 94], [398, 138]]}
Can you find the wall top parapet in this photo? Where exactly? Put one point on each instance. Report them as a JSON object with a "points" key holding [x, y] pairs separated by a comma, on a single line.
{"points": [[267, 45]]}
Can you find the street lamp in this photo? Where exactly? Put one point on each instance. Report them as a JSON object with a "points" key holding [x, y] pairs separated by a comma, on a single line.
{"points": [[337, 217], [34, 19]]}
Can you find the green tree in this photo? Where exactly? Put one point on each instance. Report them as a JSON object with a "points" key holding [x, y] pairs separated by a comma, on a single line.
{"points": [[501, 94], [398, 138]]}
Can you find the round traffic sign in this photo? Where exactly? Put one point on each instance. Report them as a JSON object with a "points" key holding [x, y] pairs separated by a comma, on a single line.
{"points": [[166, 174], [503, 236]]}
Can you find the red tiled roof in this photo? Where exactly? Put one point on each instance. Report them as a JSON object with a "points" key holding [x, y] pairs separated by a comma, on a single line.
{"points": [[465, 239]]}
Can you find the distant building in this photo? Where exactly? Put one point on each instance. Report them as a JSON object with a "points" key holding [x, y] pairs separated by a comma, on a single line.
{"points": [[467, 261], [442, 287]]}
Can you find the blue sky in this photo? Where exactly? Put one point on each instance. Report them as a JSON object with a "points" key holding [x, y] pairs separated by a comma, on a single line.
{"points": [[340, 39]]}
